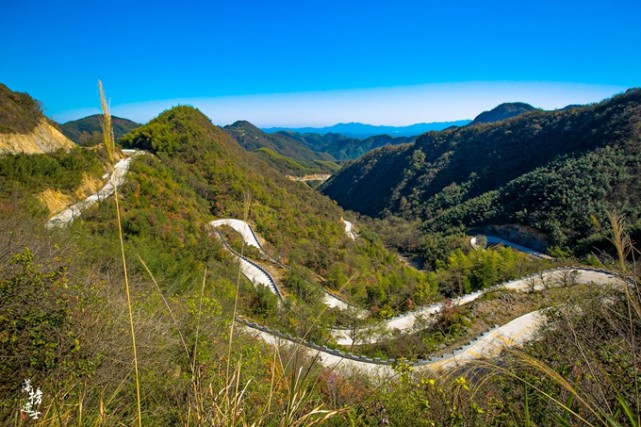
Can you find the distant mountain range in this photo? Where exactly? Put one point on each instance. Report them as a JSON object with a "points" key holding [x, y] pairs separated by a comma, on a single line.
{"points": [[361, 130], [88, 130], [286, 154], [343, 147], [295, 153], [348, 141]]}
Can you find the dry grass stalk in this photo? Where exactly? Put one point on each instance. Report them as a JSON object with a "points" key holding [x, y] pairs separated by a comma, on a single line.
{"points": [[108, 138], [626, 250]]}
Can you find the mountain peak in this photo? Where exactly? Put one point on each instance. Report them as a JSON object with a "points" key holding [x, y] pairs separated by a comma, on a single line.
{"points": [[87, 131], [240, 123], [503, 111], [177, 130]]}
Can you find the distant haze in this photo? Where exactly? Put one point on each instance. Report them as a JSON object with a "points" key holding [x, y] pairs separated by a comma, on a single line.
{"points": [[360, 130], [395, 106]]}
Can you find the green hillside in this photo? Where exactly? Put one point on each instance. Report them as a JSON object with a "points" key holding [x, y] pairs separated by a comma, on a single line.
{"points": [[302, 226], [88, 131], [284, 153], [558, 172], [194, 173]]}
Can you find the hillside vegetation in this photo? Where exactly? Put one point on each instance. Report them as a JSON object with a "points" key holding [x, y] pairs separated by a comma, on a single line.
{"points": [[558, 172], [304, 225], [193, 174]]}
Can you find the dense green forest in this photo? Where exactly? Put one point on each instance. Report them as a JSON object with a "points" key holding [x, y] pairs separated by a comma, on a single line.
{"points": [[558, 172]]}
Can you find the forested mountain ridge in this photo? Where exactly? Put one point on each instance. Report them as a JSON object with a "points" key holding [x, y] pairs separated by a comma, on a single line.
{"points": [[343, 147], [557, 171], [88, 130], [280, 150], [310, 150], [501, 112]]}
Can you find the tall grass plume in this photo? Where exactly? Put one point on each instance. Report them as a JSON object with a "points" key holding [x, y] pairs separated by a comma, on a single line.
{"points": [[108, 139]]}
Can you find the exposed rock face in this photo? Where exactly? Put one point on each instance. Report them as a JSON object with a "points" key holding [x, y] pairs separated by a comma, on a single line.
{"points": [[43, 139]]}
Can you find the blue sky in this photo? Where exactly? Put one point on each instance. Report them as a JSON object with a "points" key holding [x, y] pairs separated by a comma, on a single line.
{"points": [[295, 63]]}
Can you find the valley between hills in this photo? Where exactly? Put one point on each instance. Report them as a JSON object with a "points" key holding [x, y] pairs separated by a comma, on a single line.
{"points": [[260, 295]]}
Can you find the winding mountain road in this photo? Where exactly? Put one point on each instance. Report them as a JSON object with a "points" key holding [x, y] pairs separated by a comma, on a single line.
{"points": [[260, 276], [428, 315], [243, 229], [116, 179], [516, 332], [490, 344]]}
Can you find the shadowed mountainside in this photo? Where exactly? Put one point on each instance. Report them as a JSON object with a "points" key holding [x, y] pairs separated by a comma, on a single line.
{"points": [[556, 171]]}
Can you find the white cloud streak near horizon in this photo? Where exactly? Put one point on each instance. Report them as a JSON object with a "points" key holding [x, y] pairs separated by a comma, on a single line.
{"points": [[397, 106]]}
